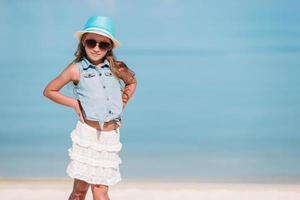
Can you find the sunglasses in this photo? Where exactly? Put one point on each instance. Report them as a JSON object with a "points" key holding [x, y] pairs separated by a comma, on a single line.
{"points": [[91, 43]]}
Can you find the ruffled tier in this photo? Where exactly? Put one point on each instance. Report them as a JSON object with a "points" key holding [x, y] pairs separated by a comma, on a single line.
{"points": [[95, 145], [93, 174], [95, 158], [97, 140], [94, 155]]}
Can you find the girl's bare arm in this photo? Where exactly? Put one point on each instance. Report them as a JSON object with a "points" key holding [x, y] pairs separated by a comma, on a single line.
{"points": [[130, 86], [128, 76], [70, 73]]}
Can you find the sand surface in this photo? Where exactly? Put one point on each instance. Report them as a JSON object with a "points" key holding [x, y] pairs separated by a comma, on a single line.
{"points": [[59, 189]]}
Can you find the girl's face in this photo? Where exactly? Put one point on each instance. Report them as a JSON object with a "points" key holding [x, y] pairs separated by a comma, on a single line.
{"points": [[96, 46]]}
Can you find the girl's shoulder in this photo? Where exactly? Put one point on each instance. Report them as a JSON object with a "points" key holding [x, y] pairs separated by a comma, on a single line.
{"points": [[74, 67], [74, 71]]}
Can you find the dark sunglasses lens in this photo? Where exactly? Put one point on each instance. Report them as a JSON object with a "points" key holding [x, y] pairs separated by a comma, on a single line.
{"points": [[90, 43], [104, 45]]}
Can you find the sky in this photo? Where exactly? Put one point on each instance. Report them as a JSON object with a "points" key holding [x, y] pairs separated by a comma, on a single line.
{"points": [[154, 24]]}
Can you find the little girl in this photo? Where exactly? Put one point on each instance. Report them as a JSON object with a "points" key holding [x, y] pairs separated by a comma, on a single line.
{"points": [[103, 86]]}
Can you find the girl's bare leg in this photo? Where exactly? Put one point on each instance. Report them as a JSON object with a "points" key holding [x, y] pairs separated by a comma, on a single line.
{"points": [[100, 192], [80, 189]]}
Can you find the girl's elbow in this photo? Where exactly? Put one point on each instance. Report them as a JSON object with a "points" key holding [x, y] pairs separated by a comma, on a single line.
{"points": [[135, 84], [45, 92]]}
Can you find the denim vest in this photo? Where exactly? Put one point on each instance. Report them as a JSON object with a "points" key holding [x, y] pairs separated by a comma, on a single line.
{"points": [[99, 92]]}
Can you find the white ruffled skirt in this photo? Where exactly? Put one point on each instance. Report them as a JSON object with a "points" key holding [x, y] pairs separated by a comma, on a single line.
{"points": [[94, 156]]}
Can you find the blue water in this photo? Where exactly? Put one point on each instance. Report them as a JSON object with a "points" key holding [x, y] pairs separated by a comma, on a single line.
{"points": [[217, 97]]}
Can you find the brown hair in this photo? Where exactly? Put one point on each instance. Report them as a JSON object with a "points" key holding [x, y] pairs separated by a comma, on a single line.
{"points": [[118, 68]]}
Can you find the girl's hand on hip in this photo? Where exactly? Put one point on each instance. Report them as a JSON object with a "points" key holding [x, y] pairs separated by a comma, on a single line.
{"points": [[77, 109]]}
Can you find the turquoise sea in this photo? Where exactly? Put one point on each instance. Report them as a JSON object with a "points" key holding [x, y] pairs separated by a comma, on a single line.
{"points": [[218, 96]]}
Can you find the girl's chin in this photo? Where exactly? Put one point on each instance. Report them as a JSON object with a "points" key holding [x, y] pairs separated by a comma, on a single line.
{"points": [[95, 58]]}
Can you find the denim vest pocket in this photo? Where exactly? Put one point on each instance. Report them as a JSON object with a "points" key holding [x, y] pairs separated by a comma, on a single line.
{"points": [[88, 74]]}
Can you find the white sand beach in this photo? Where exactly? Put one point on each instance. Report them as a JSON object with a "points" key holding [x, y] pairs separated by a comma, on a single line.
{"points": [[46, 189]]}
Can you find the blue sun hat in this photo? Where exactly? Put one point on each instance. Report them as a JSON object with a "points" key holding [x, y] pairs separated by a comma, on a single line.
{"points": [[101, 25]]}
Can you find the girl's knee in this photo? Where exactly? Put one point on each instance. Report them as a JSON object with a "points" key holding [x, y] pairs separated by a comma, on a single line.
{"points": [[80, 189], [99, 188], [100, 192], [80, 186]]}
